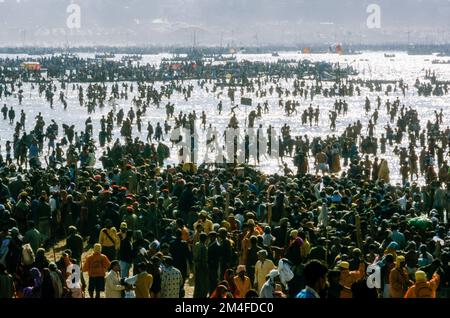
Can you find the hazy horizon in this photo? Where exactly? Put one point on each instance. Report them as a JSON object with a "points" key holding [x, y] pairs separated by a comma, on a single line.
{"points": [[216, 22]]}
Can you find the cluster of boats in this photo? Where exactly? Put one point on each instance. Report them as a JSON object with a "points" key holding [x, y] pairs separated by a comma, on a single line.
{"points": [[440, 62]]}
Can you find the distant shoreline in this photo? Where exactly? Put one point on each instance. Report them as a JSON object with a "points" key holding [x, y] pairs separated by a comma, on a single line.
{"points": [[314, 48]]}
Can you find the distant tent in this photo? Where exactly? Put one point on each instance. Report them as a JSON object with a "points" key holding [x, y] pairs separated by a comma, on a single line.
{"points": [[31, 66]]}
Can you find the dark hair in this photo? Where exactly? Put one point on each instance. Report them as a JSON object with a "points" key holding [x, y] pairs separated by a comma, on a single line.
{"points": [[113, 263], [203, 237], [314, 270], [168, 261], [142, 266], [251, 294], [389, 258]]}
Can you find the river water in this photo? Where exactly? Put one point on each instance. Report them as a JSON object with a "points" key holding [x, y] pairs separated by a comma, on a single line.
{"points": [[370, 65]]}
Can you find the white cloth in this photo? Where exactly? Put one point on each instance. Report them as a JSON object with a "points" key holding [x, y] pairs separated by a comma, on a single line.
{"points": [[402, 201], [285, 272], [113, 288], [53, 204], [267, 290], [323, 216]]}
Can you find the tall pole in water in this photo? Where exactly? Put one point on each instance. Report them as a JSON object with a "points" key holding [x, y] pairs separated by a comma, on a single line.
{"points": [[23, 33], [232, 38]]}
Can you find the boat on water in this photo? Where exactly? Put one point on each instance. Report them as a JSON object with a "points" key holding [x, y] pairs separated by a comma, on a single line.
{"points": [[133, 58], [352, 53], [440, 62], [105, 56], [222, 58], [387, 55], [420, 51], [275, 54]]}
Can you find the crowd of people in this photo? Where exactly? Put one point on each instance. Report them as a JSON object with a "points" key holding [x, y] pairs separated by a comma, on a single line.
{"points": [[138, 227]]}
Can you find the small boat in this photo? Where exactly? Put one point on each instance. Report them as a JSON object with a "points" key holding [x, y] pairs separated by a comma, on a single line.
{"points": [[221, 58], [440, 62], [275, 54], [133, 58], [105, 56], [350, 52], [389, 55]]}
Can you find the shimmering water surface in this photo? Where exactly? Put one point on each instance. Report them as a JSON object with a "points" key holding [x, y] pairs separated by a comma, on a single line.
{"points": [[371, 65]]}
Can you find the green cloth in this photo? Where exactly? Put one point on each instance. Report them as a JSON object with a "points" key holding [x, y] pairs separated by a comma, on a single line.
{"points": [[33, 237], [6, 286], [421, 223], [200, 258]]}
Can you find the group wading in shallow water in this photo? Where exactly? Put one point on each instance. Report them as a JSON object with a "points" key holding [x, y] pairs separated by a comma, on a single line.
{"points": [[153, 196]]}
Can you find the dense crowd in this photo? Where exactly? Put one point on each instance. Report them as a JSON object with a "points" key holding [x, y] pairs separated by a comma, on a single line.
{"points": [[139, 227]]}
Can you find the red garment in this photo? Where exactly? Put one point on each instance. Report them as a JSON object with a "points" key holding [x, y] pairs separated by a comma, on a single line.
{"points": [[233, 288], [219, 292]]}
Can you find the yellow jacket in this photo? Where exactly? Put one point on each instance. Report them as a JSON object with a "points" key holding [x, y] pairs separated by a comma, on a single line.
{"points": [[398, 280], [112, 240], [143, 284], [261, 270], [207, 225], [424, 289], [242, 286], [305, 248], [348, 278]]}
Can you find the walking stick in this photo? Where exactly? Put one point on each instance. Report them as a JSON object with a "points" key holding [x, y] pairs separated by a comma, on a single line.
{"points": [[83, 282], [227, 203], [326, 246], [54, 254], [358, 230]]}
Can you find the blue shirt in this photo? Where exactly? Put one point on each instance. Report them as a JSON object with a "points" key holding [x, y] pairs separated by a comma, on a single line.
{"points": [[308, 292], [399, 238], [33, 151]]}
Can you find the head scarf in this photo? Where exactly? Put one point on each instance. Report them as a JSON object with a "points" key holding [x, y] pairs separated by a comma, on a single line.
{"points": [[421, 276], [400, 259], [272, 275], [240, 268], [262, 252], [97, 248], [344, 265]]}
